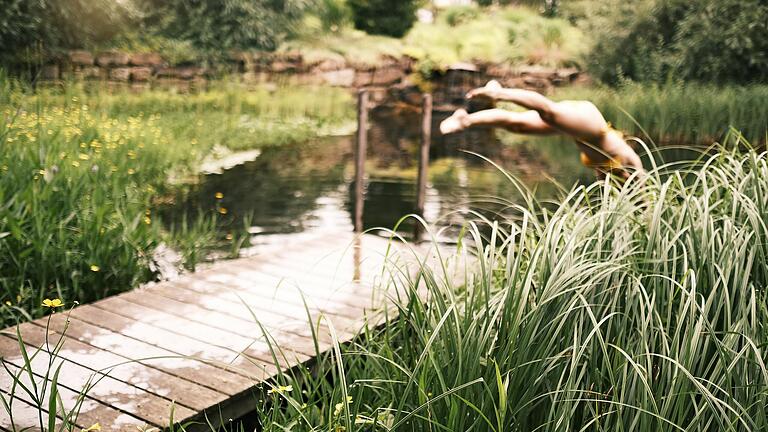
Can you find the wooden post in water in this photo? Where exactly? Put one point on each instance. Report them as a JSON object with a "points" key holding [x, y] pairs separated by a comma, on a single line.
{"points": [[426, 138], [360, 149]]}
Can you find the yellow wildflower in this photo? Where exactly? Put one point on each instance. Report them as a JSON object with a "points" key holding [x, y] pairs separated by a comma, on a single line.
{"points": [[8, 303], [75, 163], [52, 303], [95, 268], [219, 195], [83, 156], [223, 210], [131, 171], [340, 406], [280, 389], [147, 220], [93, 427]]}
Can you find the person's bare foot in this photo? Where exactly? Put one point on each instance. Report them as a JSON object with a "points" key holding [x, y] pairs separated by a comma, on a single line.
{"points": [[455, 123], [489, 91]]}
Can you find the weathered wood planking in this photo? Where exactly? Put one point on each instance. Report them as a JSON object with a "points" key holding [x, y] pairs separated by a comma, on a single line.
{"points": [[197, 345]]}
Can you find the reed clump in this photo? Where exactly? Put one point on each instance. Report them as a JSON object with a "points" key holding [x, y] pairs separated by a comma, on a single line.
{"points": [[640, 307]]}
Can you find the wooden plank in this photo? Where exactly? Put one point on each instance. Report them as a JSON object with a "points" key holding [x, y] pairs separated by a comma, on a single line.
{"points": [[253, 346], [155, 381], [90, 410], [360, 296], [248, 367], [23, 416], [106, 391], [226, 321], [291, 306], [132, 349], [271, 315]]}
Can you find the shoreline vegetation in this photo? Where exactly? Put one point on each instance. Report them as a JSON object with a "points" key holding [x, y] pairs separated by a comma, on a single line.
{"points": [[83, 174], [640, 305]]}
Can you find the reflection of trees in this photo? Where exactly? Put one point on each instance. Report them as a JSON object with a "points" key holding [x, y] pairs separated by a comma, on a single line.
{"points": [[277, 190]]}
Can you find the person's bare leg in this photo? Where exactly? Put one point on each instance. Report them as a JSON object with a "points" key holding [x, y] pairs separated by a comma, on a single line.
{"points": [[527, 122]]}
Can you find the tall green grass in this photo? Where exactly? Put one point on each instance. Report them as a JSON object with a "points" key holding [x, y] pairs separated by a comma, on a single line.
{"points": [[83, 172], [639, 307], [681, 113]]}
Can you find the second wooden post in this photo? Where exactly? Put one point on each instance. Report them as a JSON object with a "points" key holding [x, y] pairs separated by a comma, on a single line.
{"points": [[360, 150], [426, 138]]}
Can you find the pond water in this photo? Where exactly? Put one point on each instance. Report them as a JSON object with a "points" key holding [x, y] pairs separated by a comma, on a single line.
{"points": [[308, 187]]}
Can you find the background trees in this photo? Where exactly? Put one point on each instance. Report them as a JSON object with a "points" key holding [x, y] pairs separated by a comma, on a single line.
{"points": [[385, 17], [701, 40]]}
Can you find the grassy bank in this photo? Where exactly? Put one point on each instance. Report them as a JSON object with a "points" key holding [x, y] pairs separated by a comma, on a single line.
{"points": [[514, 34], [82, 172], [634, 308]]}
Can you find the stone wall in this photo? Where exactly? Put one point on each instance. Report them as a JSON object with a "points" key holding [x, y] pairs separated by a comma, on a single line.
{"points": [[390, 81]]}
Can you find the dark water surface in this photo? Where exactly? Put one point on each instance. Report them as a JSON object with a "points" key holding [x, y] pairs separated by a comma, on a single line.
{"points": [[308, 187]]}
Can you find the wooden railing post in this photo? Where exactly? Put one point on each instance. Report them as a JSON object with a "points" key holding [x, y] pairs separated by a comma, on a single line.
{"points": [[360, 149], [426, 138]]}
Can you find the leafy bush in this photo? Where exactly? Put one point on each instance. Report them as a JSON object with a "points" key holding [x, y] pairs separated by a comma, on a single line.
{"points": [[49, 24], [704, 40], [218, 26], [460, 14], [384, 17]]}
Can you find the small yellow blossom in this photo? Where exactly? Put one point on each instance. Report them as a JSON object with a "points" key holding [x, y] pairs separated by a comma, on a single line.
{"points": [[8, 303], [93, 427], [280, 389], [229, 236], [83, 156], [219, 195], [340, 406], [95, 268], [131, 171], [75, 163], [52, 303], [147, 220], [223, 210]]}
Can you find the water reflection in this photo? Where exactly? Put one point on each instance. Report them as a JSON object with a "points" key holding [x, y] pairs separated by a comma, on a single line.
{"points": [[308, 187]]}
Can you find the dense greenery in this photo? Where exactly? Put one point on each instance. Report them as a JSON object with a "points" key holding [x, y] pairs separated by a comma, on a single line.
{"points": [[221, 26], [27, 26], [620, 308], [82, 175], [384, 17], [702, 40], [516, 35]]}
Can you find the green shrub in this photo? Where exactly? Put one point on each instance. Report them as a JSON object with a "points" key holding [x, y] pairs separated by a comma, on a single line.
{"points": [[460, 14], [704, 40], [48, 25], [384, 17], [220, 26]]}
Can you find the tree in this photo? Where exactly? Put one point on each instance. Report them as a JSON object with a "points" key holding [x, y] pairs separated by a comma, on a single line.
{"points": [[216, 25], [56, 24], [716, 41], [385, 17]]}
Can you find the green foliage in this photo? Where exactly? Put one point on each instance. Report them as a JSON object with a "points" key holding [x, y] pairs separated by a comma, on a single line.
{"points": [[334, 15], [460, 14], [82, 175], [217, 26], [384, 17], [703, 40], [621, 308], [32, 25]]}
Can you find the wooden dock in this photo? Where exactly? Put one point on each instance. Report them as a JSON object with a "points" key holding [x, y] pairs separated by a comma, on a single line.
{"points": [[193, 344]]}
